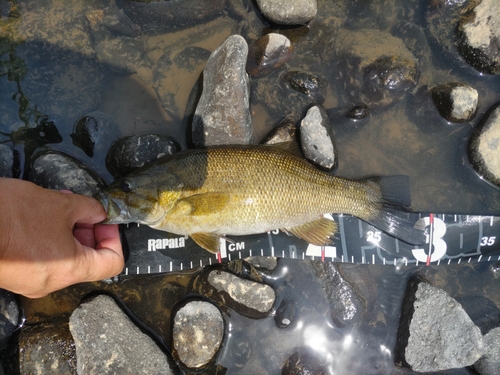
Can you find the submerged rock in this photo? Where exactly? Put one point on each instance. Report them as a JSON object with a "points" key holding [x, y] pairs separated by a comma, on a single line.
{"points": [[285, 314], [47, 349], [479, 34], [292, 12], [198, 330], [7, 161], [316, 138], [489, 364], [223, 114], [358, 112], [10, 315], [435, 333], [58, 171], [107, 342], [286, 131], [455, 102], [484, 147], [305, 362], [135, 151], [268, 53], [308, 84]]}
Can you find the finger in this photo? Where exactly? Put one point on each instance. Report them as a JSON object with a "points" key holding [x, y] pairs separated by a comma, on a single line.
{"points": [[102, 263], [84, 233], [85, 209]]}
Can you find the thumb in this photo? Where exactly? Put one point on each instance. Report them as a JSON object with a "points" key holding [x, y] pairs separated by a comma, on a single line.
{"points": [[85, 209]]}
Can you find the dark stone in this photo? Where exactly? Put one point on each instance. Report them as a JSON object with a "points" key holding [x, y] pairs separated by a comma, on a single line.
{"points": [[47, 349], [307, 84], [198, 331], [285, 314], [169, 15], [108, 342], [358, 112], [455, 102], [10, 315], [135, 151], [58, 171], [9, 161], [45, 132], [223, 112], [483, 312], [268, 53], [286, 131], [304, 362]]}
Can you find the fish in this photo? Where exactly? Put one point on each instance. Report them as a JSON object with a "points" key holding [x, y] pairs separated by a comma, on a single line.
{"points": [[221, 191]]}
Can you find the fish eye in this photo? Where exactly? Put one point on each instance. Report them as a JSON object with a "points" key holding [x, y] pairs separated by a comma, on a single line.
{"points": [[125, 187]]}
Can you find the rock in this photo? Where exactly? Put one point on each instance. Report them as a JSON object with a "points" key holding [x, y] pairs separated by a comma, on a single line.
{"points": [[285, 314], [286, 131], [489, 364], [107, 342], [170, 15], [484, 146], [223, 115], [45, 132], [316, 138], [58, 171], [170, 75], [308, 84], [435, 333], [479, 35], [358, 112], [482, 311], [455, 102], [346, 305], [296, 12], [305, 362], [268, 53], [263, 263], [10, 317], [47, 349], [116, 21], [9, 161], [374, 68], [135, 151], [253, 295], [197, 333]]}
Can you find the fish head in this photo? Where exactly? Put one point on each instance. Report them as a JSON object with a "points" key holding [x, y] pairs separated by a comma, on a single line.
{"points": [[143, 198]]}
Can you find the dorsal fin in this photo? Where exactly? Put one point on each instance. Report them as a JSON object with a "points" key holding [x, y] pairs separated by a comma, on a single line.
{"points": [[291, 147]]}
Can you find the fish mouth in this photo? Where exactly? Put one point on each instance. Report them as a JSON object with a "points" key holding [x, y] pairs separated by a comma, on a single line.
{"points": [[116, 213]]}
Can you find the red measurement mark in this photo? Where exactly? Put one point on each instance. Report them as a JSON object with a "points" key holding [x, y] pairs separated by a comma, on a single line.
{"points": [[322, 253], [431, 235], [219, 258]]}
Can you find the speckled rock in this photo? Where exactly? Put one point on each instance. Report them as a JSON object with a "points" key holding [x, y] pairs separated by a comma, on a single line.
{"points": [[47, 349], [129, 153], [198, 330], [7, 161], [489, 364], [479, 34], [293, 12], [316, 138], [268, 53], [308, 84], [56, 170], [305, 361], [455, 102], [107, 342], [435, 333], [10, 315], [484, 147], [223, 114]]}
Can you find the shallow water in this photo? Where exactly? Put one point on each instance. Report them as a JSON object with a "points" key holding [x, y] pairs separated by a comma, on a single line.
{"points": [[392, 141]]}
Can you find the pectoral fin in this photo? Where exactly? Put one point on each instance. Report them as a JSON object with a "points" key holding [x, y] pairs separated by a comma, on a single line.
{"points": [[317, 232], [208, 241], [203, 204]]}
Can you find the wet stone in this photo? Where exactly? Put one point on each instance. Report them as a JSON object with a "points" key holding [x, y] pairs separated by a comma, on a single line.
{"points": [[435, 333], [291, 12], [479, 34], [223, 114], [10, 317], [307, 84], [304, 362], [107, 342], [285, 314], [316, 137], [47, 349], [253, 295], [286, 131], [268, 53], [263, 263], [455, 102], [197, 333], [358, 112], [489, 363], [135, 151], [484, 147], [7, 161], [58, 171]]}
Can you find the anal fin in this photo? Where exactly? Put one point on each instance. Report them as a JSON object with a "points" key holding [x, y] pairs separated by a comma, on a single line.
{"points": [[317, 232], [208, 241]]}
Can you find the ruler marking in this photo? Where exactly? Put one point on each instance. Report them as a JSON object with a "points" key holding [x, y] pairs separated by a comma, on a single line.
{"points": [[170, 266], [449, 261], [239, 255], [489, 258], [439, 262], [210, 261], [282, 253], [469, 260], [360, 229], [137, 271], [250, 252], [182, 266], [126, 271], [383, 261], [149, 269], [342, 237], [479, 259], [461, 240], [191, 264], [491, 221], [159, 268], [373, 258]]}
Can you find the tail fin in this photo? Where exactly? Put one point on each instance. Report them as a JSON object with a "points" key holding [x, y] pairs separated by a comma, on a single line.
{"points": [[393, 201]]}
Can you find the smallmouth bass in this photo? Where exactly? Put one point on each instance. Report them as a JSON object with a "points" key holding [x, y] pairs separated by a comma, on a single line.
{"points": [[239, 190]]}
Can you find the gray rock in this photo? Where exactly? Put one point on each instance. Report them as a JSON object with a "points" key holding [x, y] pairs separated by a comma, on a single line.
{"points": [[223, 114], [316, 137], [489, 364], [479, 31], [107, 342], [286, 131], [291, 12], [455, 102], [6, 161], [197, 333], [47, 349], [266, 263], [251, 294], [10, 317], [129, 153], [484, 147], [435, 332], [268, 53], [58, 171]]}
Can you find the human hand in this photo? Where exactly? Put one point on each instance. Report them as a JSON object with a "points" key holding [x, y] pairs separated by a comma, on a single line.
{"points": [[50, 240]]}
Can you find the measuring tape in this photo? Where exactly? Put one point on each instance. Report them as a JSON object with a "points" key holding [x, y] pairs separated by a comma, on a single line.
{"points": [[451, 239]]}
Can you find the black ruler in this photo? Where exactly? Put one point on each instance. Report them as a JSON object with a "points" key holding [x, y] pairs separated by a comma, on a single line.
{"points": [[450, 239]]}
